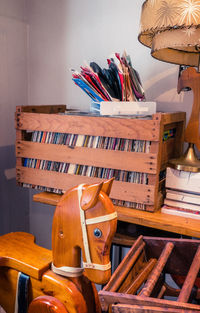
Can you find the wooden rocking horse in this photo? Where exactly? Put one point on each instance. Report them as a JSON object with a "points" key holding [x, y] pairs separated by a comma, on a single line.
{"points": [[84, 221]]}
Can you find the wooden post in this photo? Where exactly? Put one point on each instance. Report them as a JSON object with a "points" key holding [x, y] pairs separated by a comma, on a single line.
{"points": [[141, 277], [190, 278], [150, 284], [125, 266]]}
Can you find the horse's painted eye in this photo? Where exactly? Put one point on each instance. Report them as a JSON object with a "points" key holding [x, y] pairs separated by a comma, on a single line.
{"points": [[97, 232]]}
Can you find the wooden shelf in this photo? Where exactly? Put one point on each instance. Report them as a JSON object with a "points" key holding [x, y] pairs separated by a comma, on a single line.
{"points": [[158, 220]]}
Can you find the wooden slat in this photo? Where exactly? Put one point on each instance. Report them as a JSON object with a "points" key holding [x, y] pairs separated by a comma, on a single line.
{"points": [[125, 308], [124, 270], [190, 278], [162, 292], [47, 198], [88, 125], [141, 277], [108, 298], [168, 118], [167, 151], [125, 266], [120, 190], [134, 161], [42, 108], [135, 269], [123, 240], [155, 274]]}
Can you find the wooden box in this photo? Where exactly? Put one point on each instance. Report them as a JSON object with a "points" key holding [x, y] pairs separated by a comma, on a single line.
{"points": [[161, 135], [156, 275]]}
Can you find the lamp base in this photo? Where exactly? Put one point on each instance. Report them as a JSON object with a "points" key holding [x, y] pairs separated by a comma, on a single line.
{"points": [[188, 162]]}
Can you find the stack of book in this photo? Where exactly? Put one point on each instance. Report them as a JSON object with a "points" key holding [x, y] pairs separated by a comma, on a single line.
{"points": [[182, 194]]}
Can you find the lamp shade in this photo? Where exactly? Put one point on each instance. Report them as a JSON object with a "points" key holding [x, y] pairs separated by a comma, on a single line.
{"points": [[171, 28]]}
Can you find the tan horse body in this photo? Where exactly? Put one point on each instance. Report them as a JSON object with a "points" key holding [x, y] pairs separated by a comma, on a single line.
{"points": [[84, 222]]}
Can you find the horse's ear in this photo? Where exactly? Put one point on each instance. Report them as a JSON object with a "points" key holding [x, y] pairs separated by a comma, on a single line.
{"points": [[107, 185], [90, 196]]}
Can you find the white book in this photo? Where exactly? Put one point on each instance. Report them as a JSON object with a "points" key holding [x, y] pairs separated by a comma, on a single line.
{"points": [[80, 140], [179, 204], [183, 196], [47, 137], [124, 107], [71, 169], [50, 137], [184, 181], [95, 142], [171, 211]]}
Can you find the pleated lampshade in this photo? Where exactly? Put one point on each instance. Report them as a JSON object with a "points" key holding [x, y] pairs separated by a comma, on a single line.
{"points": [[171, 28]]}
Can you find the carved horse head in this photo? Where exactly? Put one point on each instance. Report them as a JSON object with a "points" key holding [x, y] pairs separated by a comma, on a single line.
{"points": [[84, 224]]}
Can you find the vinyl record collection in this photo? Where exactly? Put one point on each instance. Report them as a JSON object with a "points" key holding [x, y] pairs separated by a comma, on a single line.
{"points": [[119, 82], [96, 142]]}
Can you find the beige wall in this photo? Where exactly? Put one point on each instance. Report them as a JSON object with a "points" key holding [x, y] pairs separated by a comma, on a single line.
{"points": [[14, 201], [15, 9]]}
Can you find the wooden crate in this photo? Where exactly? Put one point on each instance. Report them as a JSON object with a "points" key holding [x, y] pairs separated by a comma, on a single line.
{"points": [[50, 119], [139, 283]]}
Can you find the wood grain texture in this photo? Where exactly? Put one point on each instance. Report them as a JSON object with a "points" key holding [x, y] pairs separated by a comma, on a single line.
{"points": [[158, 220], [138, 255], [78, 295], [141, 277], [68, 241], [123, 308], [166, 256], [127, 262], [191, 78], [109, 298], [132, 274], [46, 304], [50, 109], [84, 125], [120, 190], [138, 129], [162, 292], [190, 278], [135, 161], [19, 251], [155, 274]]}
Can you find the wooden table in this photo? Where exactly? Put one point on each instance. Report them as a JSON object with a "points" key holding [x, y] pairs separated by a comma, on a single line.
{"points": [[158, 220]]}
